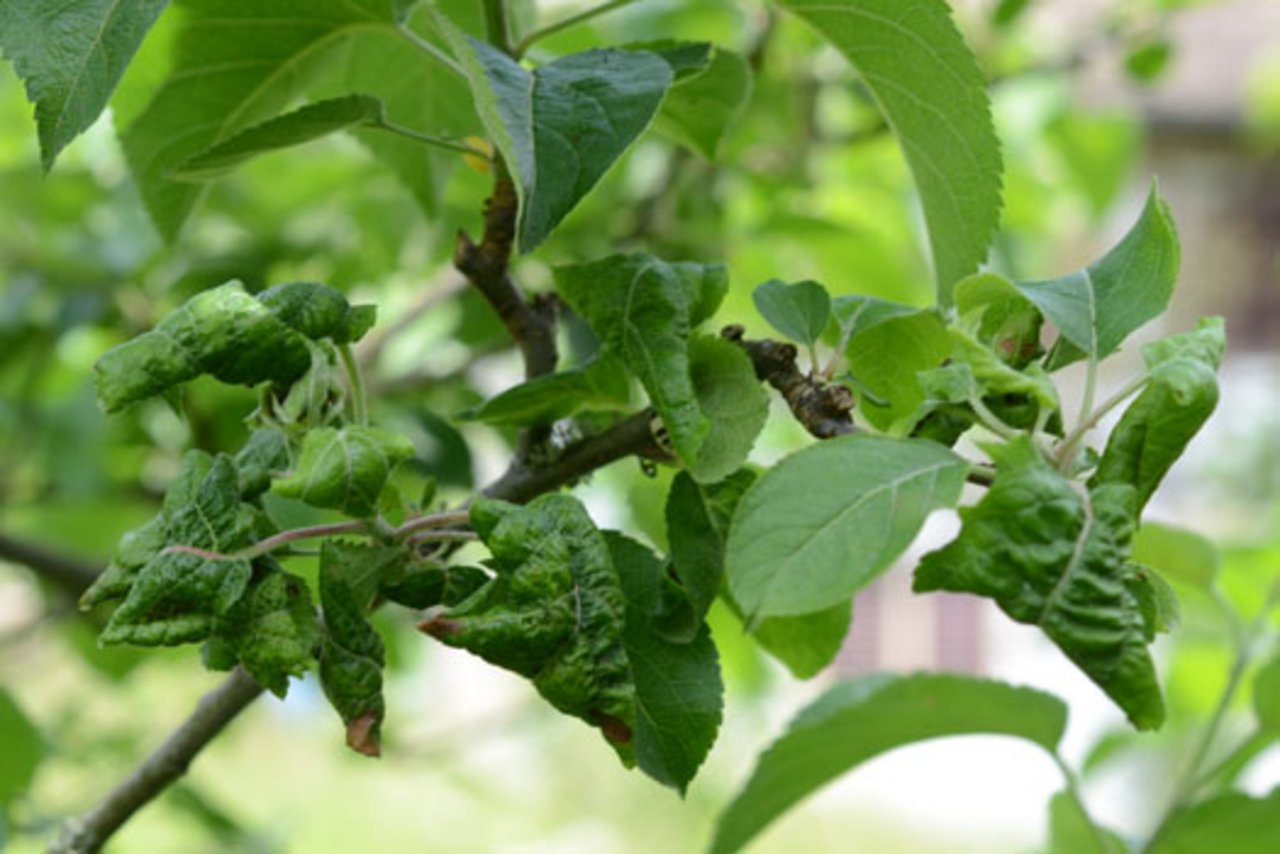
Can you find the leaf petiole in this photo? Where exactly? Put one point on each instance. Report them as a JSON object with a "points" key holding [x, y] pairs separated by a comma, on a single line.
{"points": [[428, 139], [359, 397], [565, 23], [1087, 422]]}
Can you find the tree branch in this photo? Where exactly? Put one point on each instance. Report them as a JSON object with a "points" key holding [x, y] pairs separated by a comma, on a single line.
{"points": [[71, 575], [169, 762], [823, 408]]}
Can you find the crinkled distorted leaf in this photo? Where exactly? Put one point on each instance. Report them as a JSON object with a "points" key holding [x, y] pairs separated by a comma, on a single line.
{"points": [[1232, 822], [679, 694], [1181, 394], [351, 657], [235, 337], [643, 310], [345, 469], [1056, 559], [930, 89], [561, 126], [265, 453], [71, 56], [302, 125], [21, 746], [1177, 553], [424, 585], [176, 596], [272, 629], [1002, 318], [701, 111], [799, 311], [858, 720], [886, 359], [1096, 308], [603, 383], [827, 520], [238, 63], [995, 377], [733, 402], [554, 613], [366, 569]]}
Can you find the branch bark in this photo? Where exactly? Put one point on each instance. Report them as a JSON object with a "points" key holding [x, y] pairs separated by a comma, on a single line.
{"points": [[169, 762], [823, 408], [71, 575]]}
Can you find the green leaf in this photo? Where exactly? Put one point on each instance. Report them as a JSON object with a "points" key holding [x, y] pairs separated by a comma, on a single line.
{"points": [[265, 454], [561, 126], [827, 520], [679, 694], [858, 720], [1178, 553], [1071, 832], [701, 111], [367, 569], [1053, 558], [643, 310], [425, 585], [345, 469], [1096, 308], [1266, 695], [799, 311], [855, 313], [352, 656], [303, 125], [733, 402], [687, 59], [22, 748], [554, 613], [1181, 394], [238, 63], [601, 384], [71, 56], [272, 629], [237, 338], [1001, 317], [1149, 59], [887, 357], [929, 87], [1233, 822], [1157, 601], [994, 377], [176, 597], [805, 644]]}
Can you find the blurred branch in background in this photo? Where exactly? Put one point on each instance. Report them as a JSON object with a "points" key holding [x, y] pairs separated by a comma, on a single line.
{"points": [[69, 574]]}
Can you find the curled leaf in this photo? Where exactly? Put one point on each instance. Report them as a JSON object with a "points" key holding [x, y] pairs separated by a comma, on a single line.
{"points": [[345, 469]]}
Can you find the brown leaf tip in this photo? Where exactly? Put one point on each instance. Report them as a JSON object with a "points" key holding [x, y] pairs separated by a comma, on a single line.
{"points": [[362, 735]]}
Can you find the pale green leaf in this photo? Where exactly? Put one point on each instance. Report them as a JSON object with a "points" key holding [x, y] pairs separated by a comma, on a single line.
{"points": [[855, 313], [1072, 832], [71, 56], [303, 125], [733, 402], [1096, 308], [805, 644], [1266, 695], [1000, 316], [858, 720], [1232, 822], [827, 520], [702, 110], [886, 358], [1178, 553], [561, 126], [931, 91], [798, 311]]}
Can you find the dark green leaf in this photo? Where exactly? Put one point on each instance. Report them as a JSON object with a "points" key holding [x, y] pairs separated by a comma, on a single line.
{"points": [[560, 127], [345, 469], [1096, 308], [1233, 822], [1178, 553], [687, 59], [1007, 12], [366, 569], [799, 311], [176, 597], [733, 402], [886, 359], [679, 695], [1056, 559], [272, 629], [858, 720], [1149, 59], [824, 522], [21, 746], [351, 658], [930, 89], [424, 586], [318, 311], [643, 310], [1181, 394], [265, 454], [304, 124], [702, 110], [71, 56], [238, 63], [554, 613], [1266, 695]]}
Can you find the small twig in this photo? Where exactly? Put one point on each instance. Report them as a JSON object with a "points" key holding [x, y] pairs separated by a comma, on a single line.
{"points": [[565, 23], [219, 707], [430, 50], [72, 575], [823, 408], [439, 520]]}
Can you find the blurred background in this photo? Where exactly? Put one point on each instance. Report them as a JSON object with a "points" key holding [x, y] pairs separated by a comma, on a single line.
{"points": [[1093, 98]]}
